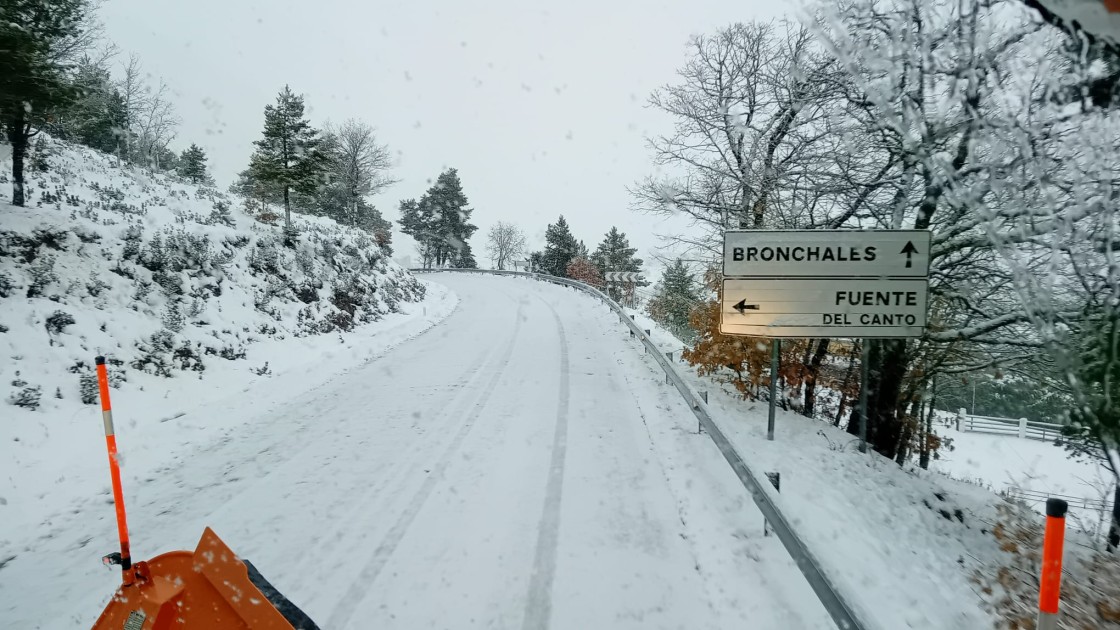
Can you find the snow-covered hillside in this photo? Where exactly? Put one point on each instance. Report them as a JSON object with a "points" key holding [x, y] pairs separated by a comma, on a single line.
{"points": [[163, 278]]}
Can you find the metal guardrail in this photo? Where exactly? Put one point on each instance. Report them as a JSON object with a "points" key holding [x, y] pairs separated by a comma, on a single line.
{"points": [[1028, 429], [834, 602]]}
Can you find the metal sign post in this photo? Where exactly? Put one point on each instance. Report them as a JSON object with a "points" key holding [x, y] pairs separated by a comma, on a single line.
{"points": [[865, 359], [852, 284]]}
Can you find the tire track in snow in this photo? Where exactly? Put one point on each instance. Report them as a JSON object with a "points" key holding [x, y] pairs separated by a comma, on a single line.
{"points": [[538, 606], [355, 595], [413, 454]]}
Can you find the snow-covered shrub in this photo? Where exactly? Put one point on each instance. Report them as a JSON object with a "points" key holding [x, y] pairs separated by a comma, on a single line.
{"points": [[26, 394], [42, 274], [188, 357], [220, 215], [27, 397], [85, 235], [155, 351], [143, 288], [58, 321], [153, 257], [226, 352], [308, 291], [87, 388], [264, 258], [186, 251], [6, 285], [172, 318], [96, 286], [133, 238]]}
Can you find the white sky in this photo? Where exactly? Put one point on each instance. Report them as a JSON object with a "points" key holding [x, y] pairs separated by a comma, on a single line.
{"points": [[541, 106]]}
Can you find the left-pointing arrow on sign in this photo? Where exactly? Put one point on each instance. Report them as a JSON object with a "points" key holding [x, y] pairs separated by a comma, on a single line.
{"points": [[742, 307]]}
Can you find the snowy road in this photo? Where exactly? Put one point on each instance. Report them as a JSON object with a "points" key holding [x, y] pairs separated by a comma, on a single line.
{"points": [[518, 466]]}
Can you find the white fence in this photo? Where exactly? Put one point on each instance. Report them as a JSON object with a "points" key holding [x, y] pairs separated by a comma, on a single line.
{"points": [[1022, 428]]}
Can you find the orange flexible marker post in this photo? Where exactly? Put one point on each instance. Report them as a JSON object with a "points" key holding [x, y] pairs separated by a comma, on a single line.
{"points": [[128, 574], [1051, 579]]}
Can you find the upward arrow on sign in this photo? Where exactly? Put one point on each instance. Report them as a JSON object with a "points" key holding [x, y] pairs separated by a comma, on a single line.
{"points": [[909, 250]]}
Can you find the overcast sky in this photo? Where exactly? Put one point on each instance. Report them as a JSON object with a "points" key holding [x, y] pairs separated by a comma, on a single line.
{"points": [[541, 106]]}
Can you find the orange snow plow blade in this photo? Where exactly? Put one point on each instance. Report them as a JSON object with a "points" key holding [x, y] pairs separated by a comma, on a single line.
{"points": [[208, 589]]}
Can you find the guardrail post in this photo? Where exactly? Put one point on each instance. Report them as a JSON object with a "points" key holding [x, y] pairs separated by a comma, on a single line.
{"points": [[666, 378], [960, 414], [631, 332], [776, 481], [1050, 582], [1023, 428], [669, 355]]}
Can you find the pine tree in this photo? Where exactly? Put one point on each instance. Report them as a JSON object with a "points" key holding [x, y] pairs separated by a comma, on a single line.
{"points": [[615, 253], [465, 258], [559, 249], [451, 215], [192, 165], [417, 222], [33, 37], [288, 156], [674, 298], [440, 221]]}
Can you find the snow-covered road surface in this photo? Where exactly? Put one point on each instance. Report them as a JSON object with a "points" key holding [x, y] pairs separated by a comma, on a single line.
{"points": [[518, 466]]}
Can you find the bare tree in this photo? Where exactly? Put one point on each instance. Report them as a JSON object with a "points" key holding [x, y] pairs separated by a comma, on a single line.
{"points": [[155, 125], [505, 242], [360, 164], [134, 95], [752, 111]]}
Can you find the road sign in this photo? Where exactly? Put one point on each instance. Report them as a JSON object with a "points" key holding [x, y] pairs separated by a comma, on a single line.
{"points": [[826, 253], [623, 276], [835, 308]]}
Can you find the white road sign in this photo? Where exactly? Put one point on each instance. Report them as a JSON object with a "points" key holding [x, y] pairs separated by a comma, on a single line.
{"points": [[837, 308], [826, 253]]}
